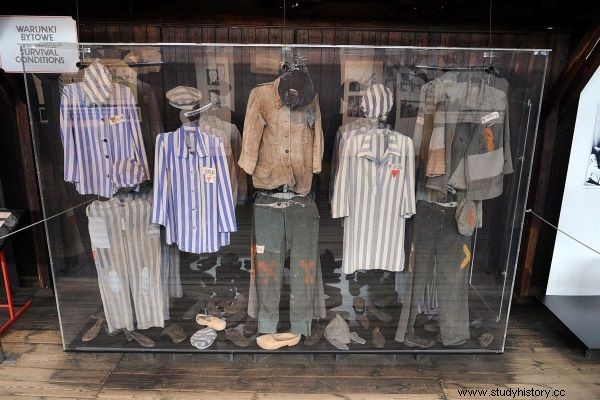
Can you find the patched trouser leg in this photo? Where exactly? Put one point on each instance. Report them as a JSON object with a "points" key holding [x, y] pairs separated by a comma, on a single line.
{"points": [[269, 231], [302, 231]]}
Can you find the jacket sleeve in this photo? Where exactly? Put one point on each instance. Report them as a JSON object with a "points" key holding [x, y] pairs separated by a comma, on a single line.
{"points": [[340, 203], [508, 165], [136, 131], [254, 124], [68, 139], [226, 204], [318, 139], [409, 204], [161, 182]]}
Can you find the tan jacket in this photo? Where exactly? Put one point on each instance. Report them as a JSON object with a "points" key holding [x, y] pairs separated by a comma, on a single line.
{"points": [[281, 146]]}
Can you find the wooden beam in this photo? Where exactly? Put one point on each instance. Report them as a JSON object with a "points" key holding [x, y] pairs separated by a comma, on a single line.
{"points": [[19, 102], [567, 87]]}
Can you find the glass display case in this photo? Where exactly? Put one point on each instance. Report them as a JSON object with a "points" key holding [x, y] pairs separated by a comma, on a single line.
{"points": [[271, 198]]}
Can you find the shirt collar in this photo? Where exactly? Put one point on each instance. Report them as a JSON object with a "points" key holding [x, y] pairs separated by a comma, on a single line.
{"points": [[278, 101], [199, 147], [97, 84], [369, 147]]}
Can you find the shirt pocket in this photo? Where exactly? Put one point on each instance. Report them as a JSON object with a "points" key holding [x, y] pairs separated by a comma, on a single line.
{"points": [[300, 133]]}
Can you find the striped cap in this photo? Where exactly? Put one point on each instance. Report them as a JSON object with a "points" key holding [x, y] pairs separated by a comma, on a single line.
{"points": [[377, 101], [203, 338], [97, 83], [184, 97]]}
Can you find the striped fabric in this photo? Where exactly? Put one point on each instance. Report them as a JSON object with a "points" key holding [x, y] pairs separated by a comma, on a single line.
{"points": [[126, 249], [95, 138], [360, 126], [97, 83], [184, 97], [377, 101], [203, 338], [375, 192], [192, 190]]}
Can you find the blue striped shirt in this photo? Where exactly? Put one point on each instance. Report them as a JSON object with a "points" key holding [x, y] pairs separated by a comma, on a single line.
{"points": [[192, 190], [103, 146]]}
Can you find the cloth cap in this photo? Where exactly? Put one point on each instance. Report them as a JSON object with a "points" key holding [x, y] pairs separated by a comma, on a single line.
{"points": [[337, 333], [97, 83], [377, 101], [466, 217], [128, 173], [184, 97], [203, 338]]}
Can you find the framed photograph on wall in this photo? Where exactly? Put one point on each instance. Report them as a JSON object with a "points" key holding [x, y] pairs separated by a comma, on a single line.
{"points": [[592, 177], [215, 78], [359, 70]]}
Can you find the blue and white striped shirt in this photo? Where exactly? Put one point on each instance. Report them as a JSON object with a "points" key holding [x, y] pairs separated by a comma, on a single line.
{"points": [[375, 192], [103, 146], [192, 190]]}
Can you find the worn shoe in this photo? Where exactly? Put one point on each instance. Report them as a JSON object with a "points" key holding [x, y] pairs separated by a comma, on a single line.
{"points": [[315, 335], [331, 314], [412, 340], [141, 339], [420, 319], [363, 320], [378, 338], [240, 303], [274, 341], [359, 305], [357, 339], [431, 326], [236, 338], [485, 340], [194, 309], [174, 332], [331, 290], [211, 309], [93, 332], [212, 322], [354, 287], [229, 258], [387, 301], [250, 327], [380, 315], [236, 319], [333, 301], [203, 264]]}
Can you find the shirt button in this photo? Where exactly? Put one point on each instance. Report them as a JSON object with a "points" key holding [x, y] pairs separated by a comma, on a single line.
{"points": [[106, 156], [287, 151], [108, 176], [105, 140]]}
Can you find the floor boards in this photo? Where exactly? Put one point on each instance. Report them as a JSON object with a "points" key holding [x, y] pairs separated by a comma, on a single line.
{"points": [[540, 354]]}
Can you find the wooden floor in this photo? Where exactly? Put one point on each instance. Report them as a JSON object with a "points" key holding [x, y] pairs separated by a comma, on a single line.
{"points": [[540, 354]]}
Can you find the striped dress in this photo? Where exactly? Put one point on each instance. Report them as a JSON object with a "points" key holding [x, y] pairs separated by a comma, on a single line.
{"points": [[375, 192]]}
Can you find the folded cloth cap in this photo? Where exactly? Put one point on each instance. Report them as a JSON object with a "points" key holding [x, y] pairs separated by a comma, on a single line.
{"points": [[184, 97], [337, 333], [203, 338], [377, 101], [466, 217], [97, 83]]}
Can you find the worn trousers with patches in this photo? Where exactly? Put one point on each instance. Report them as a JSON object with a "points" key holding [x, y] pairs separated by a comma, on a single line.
{"points": [[282, 225], [438, 249], [128, 261]]}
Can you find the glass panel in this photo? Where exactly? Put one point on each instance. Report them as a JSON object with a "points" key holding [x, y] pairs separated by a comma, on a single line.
{"points": [[370, 198]]}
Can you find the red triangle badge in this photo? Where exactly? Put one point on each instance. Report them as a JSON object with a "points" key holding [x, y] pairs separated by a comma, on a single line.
{"points": [[395, 172]]}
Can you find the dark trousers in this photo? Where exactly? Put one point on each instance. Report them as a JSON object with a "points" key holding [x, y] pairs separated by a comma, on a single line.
{"points": [[280, 226], [438, 248]]}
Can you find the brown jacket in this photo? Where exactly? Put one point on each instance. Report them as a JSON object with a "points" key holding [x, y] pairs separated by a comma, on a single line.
{"points": [[281, 146]]}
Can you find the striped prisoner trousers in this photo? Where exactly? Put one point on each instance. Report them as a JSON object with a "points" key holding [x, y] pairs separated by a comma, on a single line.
{"points": [[127, 254]]}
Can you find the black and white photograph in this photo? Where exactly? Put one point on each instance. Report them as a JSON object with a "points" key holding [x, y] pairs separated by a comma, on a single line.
{"points": [[593, 171], [212, 76], [353, 106], [214, 96]]}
